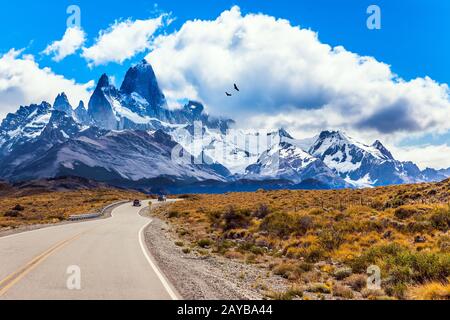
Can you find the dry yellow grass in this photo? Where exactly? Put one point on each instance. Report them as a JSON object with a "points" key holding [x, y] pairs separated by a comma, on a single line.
{"points": [[431, 291], [52, 207], [403, 229]]}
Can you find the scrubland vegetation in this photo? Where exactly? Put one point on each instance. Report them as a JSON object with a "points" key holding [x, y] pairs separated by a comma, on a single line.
{"points": [[323, 242], [54, 207]]}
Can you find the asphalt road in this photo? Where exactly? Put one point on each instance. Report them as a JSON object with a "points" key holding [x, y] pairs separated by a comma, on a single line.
{"points": [[101, 259]]}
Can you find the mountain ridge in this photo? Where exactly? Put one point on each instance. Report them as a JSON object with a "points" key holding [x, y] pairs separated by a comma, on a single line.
{"points": [[128, 136]]}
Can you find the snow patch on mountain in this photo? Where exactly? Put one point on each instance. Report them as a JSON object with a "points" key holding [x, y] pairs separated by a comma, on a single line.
{"points": [[129, 134]]}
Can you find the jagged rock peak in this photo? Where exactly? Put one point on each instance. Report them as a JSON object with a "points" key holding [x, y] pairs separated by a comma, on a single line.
{"points": [[81, 105], [284, 134], [62, 103], [103, 81], [141, 79], [379, 146]]}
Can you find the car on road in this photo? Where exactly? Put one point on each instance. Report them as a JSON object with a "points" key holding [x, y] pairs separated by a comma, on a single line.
{"points": [[137, 203], [162, 198]]}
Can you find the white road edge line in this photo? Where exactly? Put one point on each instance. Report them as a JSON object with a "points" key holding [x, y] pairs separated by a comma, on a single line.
{"points": [[154, 267]]}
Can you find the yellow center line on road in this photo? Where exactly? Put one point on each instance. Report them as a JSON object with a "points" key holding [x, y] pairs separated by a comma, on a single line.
{"points": [[8, 282]]}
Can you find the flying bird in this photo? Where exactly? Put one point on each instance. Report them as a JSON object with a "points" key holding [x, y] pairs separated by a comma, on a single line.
{"points": [[236, 87], [228, 94]]}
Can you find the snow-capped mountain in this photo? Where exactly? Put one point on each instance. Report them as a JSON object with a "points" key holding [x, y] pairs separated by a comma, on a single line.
{"points": [[435, 175], [129, 136], [141, 105], [26, 124], [363, 165], [285, 161], [236, 150], [66, 148]]}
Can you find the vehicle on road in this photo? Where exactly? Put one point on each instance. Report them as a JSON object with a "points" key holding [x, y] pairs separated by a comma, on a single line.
{"points": [[125, 230], [162, 199], [137, 203]]}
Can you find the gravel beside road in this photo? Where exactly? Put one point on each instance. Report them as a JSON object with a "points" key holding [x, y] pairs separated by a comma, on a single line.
{"points": [[210, 277]]}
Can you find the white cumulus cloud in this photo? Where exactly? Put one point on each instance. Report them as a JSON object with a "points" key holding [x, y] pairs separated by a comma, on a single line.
{"points": [[73, 39], [427, 156], [23, 82], [289, 78], [122, 41]]}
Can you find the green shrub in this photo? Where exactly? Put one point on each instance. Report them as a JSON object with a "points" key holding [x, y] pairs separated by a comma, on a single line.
{"points": [[191, 197], [395, 203], [262, 211], [319, 288], [343, 292], [316, 212], [343, 273], [398, 291], [356, 281], [290, 294], [204, 243], [279, 224], [405, 212], [248, 246], [444, 244], [440, 219], [419, 227], [304, 224], [236, 219], [331, 239], [292, 271], [377, 205], [400, 265], [12, 214], [287, 271], [313, 254], [173, 214], [305, 266], [19, 208], [362, 262], [182, 232]]}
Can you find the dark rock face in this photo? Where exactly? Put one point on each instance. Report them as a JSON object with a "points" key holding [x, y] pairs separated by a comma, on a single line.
{"points": [[100, 105], [141, 80], [385, 152], [60, 128], [62, 104], [81, 114]]}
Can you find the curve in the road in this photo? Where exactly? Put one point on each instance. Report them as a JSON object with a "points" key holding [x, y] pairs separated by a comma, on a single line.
{"points": [[115, 264]]}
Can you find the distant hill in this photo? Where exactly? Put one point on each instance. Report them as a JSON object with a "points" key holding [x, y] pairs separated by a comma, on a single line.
{"points": [[60, 184]]}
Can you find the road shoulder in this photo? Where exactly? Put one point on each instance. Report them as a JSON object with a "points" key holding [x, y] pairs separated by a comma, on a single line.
{"points": [[210, 277]]}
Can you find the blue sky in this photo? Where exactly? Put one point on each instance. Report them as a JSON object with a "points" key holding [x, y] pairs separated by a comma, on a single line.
{"points": [[412, 44], [413, 38]]}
